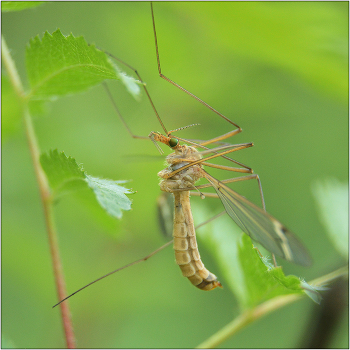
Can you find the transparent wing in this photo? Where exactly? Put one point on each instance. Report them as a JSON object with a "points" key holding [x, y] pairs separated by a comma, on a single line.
{"points": [[260, 226], [165, 209]]}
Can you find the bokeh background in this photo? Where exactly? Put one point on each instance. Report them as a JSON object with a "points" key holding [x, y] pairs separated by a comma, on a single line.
{"points": [[277, 69]]}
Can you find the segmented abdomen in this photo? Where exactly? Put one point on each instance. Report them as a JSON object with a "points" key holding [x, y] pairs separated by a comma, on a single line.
{"points": [[185, 245]]}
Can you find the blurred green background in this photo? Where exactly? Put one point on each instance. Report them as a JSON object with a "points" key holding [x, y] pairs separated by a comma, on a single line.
{"points": [[277, 69]]}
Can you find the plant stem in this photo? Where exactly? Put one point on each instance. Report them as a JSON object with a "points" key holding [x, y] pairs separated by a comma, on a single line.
{"points": [[44, 194], [263, 309], [330, 276], [11, 69]]}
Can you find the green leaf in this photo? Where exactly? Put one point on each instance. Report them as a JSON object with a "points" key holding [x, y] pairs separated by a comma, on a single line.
{"points": [[251, 279], [63, 172], [59, 65], [7, 6], [110, 195], [66, 176], [332, 198]]}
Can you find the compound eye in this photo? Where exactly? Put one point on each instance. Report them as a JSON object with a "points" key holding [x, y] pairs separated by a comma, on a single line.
{"points": [[173, 142]]}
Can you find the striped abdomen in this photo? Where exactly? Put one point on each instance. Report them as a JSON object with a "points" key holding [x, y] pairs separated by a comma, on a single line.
{"points": [[185, 245]]}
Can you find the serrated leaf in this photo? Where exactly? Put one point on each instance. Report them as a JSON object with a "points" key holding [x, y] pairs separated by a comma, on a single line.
{"points": [[63, 173], [110, 195], [251, 279], [65, 176], [7, 6], [59, 65], [332, 198]]}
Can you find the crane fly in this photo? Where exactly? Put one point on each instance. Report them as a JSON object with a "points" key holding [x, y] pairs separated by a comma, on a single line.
{"points": [[184, 170], [185, 167]]}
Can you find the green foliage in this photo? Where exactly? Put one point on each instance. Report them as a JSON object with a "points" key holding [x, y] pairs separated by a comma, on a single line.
{"points": [[332, 198], [7, 6], [65, 176], [60, 170], [59, 65], [110, 195], [278, 69], [252, 279]]}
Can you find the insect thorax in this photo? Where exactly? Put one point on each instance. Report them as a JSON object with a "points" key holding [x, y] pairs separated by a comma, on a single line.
{"points": [[186, 178]]}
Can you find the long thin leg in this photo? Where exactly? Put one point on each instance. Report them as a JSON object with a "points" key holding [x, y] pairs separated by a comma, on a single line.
{"points": [[144, 87], [120, 115], [219, 138], [202, 144], [214, 150], [224, 167], [180, 87], [136, 261], [204, 159], [211, 219], [119, 269], [216, 139]]}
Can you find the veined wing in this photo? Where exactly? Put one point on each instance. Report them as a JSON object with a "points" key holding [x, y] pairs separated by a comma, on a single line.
{"points": [[260, 226]]}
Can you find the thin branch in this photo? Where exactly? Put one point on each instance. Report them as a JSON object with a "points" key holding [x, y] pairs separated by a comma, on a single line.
{"points": [[263, 309], [11, 69], [44, 193]]}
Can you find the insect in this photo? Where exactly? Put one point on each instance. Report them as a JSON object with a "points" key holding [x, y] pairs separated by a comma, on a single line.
{"points": [[186, 166]]}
